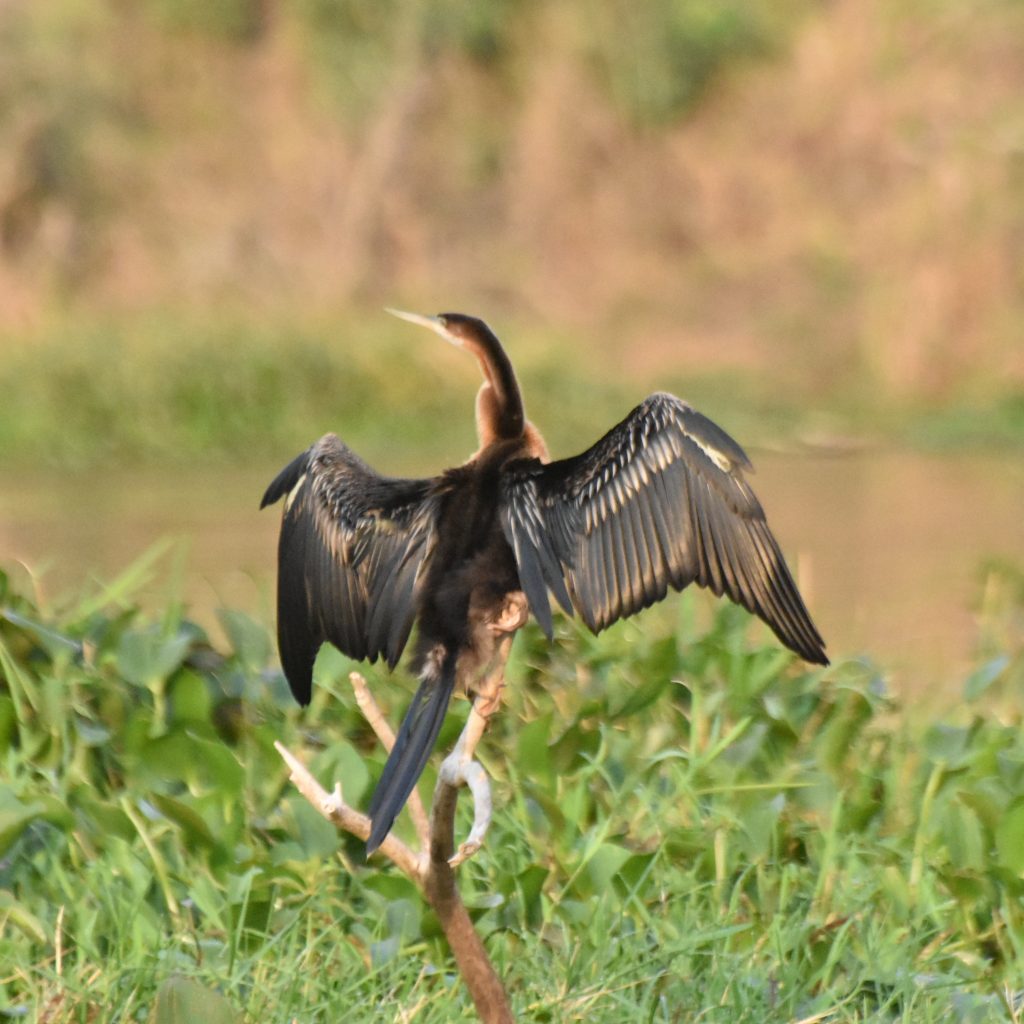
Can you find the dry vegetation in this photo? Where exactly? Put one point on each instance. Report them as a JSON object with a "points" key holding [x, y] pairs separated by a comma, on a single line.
{"points": [[839, 192]]}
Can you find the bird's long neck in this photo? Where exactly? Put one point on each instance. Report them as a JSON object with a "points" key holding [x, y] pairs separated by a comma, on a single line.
{"points": [[499, 403]]}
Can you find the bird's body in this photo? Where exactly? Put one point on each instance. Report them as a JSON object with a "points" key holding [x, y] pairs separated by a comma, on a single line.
{"points": [[660, 501], [472, 565]]}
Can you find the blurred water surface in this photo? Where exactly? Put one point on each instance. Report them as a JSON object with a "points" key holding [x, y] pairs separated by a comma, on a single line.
{"points": [[889, 547]]}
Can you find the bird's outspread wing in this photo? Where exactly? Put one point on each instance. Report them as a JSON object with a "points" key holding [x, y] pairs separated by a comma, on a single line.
{"points": [[352, 547], [660, 501]]}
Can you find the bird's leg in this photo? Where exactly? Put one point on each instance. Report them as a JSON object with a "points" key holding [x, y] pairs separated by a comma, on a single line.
{"points": [[459, 767], [501, 626]]}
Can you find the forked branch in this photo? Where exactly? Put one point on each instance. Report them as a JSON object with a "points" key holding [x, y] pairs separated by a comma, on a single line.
{"points": [[432, 868]]}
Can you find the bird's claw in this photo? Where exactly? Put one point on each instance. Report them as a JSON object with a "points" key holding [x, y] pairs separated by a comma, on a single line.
{"points": [[464, 852]]}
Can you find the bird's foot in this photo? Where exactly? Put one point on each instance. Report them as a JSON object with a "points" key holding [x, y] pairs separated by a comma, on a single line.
{"points": [[464, 852], [459, 770], [513, 615]]}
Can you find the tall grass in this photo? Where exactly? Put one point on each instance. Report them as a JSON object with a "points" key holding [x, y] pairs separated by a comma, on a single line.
{"points": [[690, 825], [173, 389]]}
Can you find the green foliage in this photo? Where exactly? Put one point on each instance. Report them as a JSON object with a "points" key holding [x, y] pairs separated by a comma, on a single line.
{"points": [[170, 388], [658, 59], [174, 389], [684, 820], [182, 1001], [233, 20], [359, 48]]}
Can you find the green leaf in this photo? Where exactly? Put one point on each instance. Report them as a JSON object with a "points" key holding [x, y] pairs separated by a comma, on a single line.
{"points": [[530, 883], [118, 591], [190, 821], [15, 817], [8, 721], [836, 741], [92, 734], [605, 864], [241, 885], [184, 1001], [344, 763], [319, 838], [963, 836], [209, 900], [634, 869], [1010, 838], [52, 641], [979, 681], [147, 656], [949, 745], [24, 920], [195, 760], [190, 698], [987, 800], [403, 919], [533, 750], [248, 639], [642, 697], [103, 817]]}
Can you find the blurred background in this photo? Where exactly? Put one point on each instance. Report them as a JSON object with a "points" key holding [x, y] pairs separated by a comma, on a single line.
{"points": [[807, 218]]}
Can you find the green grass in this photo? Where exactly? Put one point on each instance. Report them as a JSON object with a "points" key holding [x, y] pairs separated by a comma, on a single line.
{"points": [[171, 389], [689, 826]]}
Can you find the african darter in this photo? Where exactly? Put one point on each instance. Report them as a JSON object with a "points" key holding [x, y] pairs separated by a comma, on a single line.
{"points": [[660, 501]]}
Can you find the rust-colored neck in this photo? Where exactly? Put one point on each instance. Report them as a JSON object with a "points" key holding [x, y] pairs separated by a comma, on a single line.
{"points": [[499, 403]]}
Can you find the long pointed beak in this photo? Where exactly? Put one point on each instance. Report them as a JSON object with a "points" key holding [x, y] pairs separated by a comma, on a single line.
{"points": [[433, 323]]}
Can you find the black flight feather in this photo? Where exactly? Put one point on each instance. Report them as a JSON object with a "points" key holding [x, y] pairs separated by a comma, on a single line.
{"points": [[658, 502], [351, 550], [413, 744]]}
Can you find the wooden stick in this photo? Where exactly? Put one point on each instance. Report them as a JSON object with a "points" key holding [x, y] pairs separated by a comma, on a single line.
{"points": [[432, 868], [333, 807], [475, 965]]}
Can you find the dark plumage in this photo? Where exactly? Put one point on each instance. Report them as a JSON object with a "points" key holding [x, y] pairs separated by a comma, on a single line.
{"points": [[660, 501]]}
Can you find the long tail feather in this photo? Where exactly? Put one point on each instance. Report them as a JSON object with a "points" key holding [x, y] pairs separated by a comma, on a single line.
{"points": [[412, 748]]}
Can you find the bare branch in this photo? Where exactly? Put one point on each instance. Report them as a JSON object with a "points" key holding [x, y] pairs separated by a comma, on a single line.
{"points": [[439, 887], [333, 807], [371, 712], [432, 868]]}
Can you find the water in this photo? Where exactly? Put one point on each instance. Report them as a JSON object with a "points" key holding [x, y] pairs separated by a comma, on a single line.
{"points": [[887, 546]]}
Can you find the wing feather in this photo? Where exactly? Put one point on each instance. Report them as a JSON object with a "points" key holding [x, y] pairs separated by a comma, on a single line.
{"points": [[350, 555], [660, 501]]}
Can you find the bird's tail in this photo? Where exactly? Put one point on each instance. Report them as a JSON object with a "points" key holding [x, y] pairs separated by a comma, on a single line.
{"points": [[412, 747]]}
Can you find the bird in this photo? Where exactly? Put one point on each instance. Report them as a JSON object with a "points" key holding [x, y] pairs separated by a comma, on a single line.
{"points": [[660, 502]]}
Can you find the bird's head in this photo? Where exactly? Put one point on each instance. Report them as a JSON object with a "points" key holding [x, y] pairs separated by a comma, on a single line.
{"points": [[499, 405], [457, 328]]}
